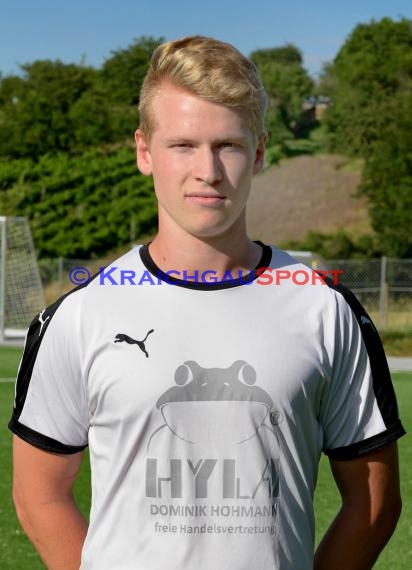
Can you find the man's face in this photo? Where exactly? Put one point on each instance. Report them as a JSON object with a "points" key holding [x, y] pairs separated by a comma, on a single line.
{"points": [[202, 156]]}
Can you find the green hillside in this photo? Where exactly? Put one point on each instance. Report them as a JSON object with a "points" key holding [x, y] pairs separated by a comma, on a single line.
{"points": [[67, 159]]}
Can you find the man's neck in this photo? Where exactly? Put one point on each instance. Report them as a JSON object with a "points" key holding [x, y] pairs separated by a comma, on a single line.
{"points": [[220, 254]]}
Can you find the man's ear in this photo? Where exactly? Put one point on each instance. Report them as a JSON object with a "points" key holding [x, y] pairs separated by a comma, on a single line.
{"points": [[143, 157], [260, 154]]}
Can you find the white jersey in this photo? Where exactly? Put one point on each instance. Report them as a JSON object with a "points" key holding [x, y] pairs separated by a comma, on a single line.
{"points": [[205, 408]]}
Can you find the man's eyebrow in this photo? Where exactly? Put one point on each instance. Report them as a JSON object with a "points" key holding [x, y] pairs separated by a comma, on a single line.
{"points": [[220, 139], [178, 140], [232, 138]]}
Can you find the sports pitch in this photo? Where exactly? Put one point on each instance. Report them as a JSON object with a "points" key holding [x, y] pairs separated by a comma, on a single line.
{"points": [[16, 553]]}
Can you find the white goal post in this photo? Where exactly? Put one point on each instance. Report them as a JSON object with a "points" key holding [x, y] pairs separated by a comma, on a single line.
{"points": [[21, 290]]}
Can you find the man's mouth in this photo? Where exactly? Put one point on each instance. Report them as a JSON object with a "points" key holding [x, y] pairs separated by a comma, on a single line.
{"points": [[206, 199]]}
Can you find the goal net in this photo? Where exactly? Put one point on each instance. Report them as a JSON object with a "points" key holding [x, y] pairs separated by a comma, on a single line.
{"points": [[21, 291]]}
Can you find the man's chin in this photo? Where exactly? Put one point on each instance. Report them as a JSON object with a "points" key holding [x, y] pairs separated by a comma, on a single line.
{"points": [[215, 232]]}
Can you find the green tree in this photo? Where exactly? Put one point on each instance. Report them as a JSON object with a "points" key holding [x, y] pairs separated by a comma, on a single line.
{"points": [[123, 72], [287, 84], [370, 83], [34, 110], [11, 89], [91, 120], [387, 180], [285, 55], [372, 67]]}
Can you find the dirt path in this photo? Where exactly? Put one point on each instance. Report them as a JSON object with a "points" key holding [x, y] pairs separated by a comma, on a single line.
{"points": [[302, 194]]}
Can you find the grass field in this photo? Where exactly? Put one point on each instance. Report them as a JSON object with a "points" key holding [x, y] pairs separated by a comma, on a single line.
{"points": [[16, 553]]}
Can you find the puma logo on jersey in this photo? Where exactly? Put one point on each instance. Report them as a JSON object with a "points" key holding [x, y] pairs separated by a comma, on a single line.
{"points": [[366, 321], [140, 343], [41, 321]]}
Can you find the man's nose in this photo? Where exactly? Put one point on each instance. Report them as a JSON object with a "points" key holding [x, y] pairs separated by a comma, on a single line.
{"points": [[208, 167]]}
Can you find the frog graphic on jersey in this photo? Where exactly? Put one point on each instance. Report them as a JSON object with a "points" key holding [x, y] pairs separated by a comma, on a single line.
{"points": [[215, 406]]}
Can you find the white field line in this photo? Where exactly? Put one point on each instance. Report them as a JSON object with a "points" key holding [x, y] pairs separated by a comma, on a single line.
{"points": [[6, 380]]}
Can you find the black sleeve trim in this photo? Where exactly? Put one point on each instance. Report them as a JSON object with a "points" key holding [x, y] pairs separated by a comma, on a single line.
{"points": [[35, 335], [42, 441], [382, 383], [367, 445]]}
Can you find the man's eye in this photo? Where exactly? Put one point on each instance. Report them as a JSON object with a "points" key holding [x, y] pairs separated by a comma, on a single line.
{"points": [[229, 145]]}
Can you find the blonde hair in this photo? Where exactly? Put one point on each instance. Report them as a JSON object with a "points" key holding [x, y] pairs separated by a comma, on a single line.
{"points": [[210, 69]]}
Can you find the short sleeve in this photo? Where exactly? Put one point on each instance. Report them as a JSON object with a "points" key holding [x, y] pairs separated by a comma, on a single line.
{"points": [[50, 408], [359, 412]]}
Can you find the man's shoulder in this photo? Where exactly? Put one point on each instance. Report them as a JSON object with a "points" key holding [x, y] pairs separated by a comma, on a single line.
{"points": [[316, 283], [74, 301], [291, 269], [281, 259]]}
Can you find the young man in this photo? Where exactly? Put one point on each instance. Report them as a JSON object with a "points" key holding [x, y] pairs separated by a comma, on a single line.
{"points": [[204, 385]]}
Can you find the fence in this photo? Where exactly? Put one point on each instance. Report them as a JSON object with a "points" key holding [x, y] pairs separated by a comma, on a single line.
{"points": [[58, 275], [383, 286]]}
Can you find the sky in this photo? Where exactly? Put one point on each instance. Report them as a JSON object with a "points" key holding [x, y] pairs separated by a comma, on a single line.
{"points": [[88, 31]]}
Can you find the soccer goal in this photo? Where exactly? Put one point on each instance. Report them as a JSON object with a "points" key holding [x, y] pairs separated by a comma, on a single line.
{"points": [[21, 291]]}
